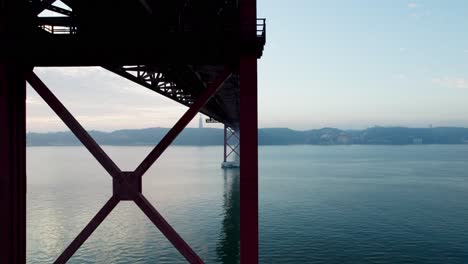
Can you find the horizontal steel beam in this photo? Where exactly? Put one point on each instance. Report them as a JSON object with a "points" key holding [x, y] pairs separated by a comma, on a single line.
{"points": [[60, 10], [56, 21], [49, 50]]}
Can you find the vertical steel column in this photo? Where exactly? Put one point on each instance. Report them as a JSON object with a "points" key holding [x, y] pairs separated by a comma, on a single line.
{"points": [[249, 161], [13, 33], [225, 143], [249, 139], [12, 164]]}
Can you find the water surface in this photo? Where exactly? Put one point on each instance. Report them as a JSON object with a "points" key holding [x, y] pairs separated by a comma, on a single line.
{"points": [[333, 204]]}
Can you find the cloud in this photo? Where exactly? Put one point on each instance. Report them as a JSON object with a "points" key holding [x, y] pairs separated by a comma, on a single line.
{"points": [[458, 83], [412, 5]]}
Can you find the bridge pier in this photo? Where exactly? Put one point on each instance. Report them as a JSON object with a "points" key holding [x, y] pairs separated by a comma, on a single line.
{"points": [[249, 128], [13, 29], [238, 46], [12, 164], [249, 160], [231, 148]]}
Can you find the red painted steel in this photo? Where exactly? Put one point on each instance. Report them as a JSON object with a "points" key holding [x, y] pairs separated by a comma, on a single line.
{"points": [[74, 125], [88, 230], [16, 15], [127, 185], [167, 230], [12, 164], [249, 137], [12, 136], [249, 161], [183, 121]]}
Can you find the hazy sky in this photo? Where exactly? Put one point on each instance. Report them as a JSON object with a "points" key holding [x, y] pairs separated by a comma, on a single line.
{"points": [[346, 64]]}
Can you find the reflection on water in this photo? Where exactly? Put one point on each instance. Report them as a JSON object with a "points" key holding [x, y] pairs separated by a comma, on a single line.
{"points": [[334, 204], [66, 187], [228, 243]]}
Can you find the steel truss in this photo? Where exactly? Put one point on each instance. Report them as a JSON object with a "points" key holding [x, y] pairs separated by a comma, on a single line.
{"points": [[17, 26], [229, 134], [154, 79], [178, 83], [127, 185], [54, 25]]}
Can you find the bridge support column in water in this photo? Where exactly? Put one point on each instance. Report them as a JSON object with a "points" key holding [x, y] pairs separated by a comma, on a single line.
{"points": [[13, 29], [249, 140], [231, 148], [249, 161], [189, 67], [12, 164]]}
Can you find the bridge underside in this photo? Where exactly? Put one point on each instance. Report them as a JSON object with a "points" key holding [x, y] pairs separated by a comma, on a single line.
{"points": [[175, 48], [183, 83], [202, 54]]}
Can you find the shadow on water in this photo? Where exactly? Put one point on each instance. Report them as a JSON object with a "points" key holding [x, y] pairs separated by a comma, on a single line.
{"points": [[227, 249]]}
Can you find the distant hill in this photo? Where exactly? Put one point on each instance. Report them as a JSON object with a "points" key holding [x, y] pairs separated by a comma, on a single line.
{"points": [[266, 136]]}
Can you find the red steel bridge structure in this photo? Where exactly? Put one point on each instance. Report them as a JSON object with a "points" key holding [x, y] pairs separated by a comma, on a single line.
{"points": [[202, 54]]}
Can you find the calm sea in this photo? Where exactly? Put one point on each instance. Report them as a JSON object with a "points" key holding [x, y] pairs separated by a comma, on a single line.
{"points": [[333, 204]]}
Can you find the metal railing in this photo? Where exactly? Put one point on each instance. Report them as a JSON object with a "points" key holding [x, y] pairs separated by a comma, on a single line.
{"points": [[261, 28], [63, 30]]}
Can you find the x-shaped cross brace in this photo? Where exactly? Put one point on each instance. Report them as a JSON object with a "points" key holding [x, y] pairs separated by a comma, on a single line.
{"points": [[127, 185], [232, 149]]}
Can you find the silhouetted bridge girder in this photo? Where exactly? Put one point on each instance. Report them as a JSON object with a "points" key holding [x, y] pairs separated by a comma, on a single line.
{"points": [[188, 50], [184, 83], [200, 53], [110, 32]]}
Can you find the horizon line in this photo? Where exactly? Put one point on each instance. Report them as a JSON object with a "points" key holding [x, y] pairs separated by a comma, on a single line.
{"points": [[326, 127]]}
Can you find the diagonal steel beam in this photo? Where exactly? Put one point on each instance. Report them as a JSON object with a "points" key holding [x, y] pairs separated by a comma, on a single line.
{"points": [[233, 150], [12, 159], [60, 10], [202, 99], [87, 231], [44, 4], [234, 133], [145, 4], [167, 230], [230, 136], [158, 85], [74, 125]]}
